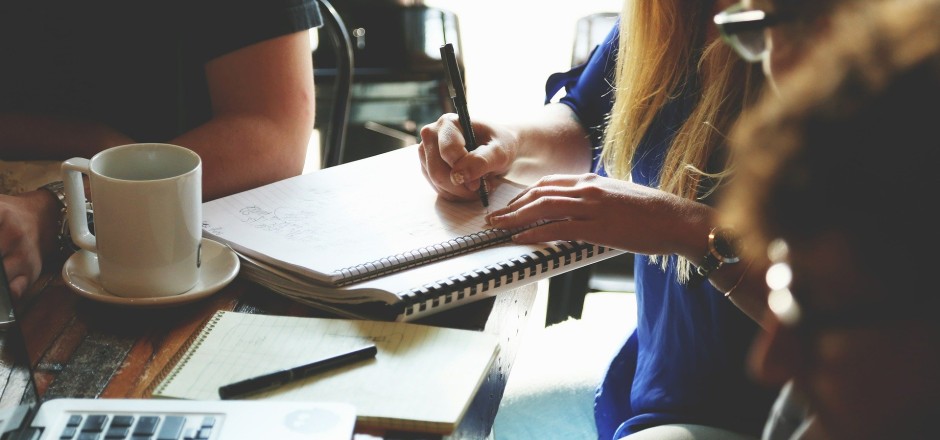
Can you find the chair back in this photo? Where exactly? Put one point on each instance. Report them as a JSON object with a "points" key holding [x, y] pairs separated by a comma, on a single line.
{"points": [[334, 142]]}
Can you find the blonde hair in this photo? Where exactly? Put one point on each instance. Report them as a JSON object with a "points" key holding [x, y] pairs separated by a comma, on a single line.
{"points": [[663, 54]]}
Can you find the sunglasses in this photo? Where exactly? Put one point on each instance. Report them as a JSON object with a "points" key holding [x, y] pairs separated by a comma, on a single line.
{"points": [[743, 30]]}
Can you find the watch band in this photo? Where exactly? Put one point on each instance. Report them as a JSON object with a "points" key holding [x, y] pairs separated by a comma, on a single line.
{"points": [[57, 189], [63, 234], [709, 264], [63, 237]]}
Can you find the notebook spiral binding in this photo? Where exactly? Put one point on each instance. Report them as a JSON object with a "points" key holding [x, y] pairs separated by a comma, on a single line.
{"points": [[476, 282], [417, 257], [176, 363]]}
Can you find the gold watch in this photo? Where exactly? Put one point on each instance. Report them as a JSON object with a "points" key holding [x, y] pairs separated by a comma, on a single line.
{"points": [[722, 249]]}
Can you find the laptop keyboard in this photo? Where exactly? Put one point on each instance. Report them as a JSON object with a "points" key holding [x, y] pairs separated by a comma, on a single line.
{"points": [[139, 427]]}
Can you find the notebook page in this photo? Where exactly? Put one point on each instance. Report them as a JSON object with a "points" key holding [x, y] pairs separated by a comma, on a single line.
{"points": [[340, 217], [423, 378]]}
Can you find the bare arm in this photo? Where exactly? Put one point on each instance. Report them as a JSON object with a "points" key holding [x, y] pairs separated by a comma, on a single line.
{"points": [[262, 97], [263, 110], [750, 289], [628, 216], [551, 142], [43, 137]]}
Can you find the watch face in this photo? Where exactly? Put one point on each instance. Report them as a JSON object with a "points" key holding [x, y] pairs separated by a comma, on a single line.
{"points": [[726, 245]]}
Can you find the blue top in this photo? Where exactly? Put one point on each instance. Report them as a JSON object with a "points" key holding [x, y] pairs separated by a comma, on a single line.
{"points": [[685, 362]]}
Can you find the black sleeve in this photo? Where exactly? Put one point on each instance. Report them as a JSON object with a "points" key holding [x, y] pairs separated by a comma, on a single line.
{"points": [[223, 26]]}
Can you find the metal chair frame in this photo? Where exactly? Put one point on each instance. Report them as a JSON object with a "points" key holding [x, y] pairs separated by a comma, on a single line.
{"points": [[335, 137]]}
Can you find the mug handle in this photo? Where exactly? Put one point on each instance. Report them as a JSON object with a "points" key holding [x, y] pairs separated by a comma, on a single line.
{"points": [[72, 170]]}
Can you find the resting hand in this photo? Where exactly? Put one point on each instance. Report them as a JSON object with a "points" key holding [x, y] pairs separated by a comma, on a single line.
{"points": [[603, 211], [27, 230], [452, 171]]}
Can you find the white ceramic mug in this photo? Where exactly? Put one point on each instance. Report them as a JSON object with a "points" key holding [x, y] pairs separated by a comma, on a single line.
{"points": [[147, 201]]}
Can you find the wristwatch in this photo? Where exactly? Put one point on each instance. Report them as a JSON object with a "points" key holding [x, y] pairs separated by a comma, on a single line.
{"points": [[64, 235], [722, 249]]}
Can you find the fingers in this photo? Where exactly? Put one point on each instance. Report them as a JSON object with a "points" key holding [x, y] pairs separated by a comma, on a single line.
{"points": [[435, 138], [452, 144], [565, 205], [546, 186], [559, 230], [543, 207], [552, 198], [452, 171], [18, 286], [489, 159], [20, 272]]}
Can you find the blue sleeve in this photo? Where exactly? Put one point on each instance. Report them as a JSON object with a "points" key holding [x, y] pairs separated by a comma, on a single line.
{"points": [[589, 89]]}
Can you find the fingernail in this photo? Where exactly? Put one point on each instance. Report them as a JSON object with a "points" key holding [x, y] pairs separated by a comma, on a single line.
{"points": [[457, 178]]}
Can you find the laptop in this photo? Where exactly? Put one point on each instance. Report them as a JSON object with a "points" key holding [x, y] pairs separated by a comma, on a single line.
{"points": [[29, 417]]}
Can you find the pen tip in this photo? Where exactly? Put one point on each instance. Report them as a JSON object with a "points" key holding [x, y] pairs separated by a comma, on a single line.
{"points": [[484, 193]]}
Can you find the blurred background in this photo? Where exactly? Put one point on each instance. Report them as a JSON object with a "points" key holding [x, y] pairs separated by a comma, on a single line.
{"points": [[506, 48]]}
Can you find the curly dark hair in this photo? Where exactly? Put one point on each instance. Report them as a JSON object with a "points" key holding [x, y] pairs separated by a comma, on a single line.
{"points": [[851, 145]]}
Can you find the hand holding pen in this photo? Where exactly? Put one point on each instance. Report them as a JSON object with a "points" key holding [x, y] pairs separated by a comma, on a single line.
{"points": [[457, 93]]}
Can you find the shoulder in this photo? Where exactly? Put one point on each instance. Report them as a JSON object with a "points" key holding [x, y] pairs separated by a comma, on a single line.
{"points": [[229, 25]]}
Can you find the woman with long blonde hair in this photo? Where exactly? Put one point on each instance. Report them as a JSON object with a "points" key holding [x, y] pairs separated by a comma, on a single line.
{"points": [[656, 99]]}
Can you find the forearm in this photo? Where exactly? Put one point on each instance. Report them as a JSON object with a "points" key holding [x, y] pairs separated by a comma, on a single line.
{"points": [[263, 116], [744, 280], [744, 285], [551, 142], [750, 291], [41, 137], [240, 152]]}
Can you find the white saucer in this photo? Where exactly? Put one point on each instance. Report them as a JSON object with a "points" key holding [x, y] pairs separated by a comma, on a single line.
{"points": [[219, 266]]}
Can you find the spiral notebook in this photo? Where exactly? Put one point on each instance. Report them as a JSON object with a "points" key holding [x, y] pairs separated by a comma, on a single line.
{"points": [[422, 379], [371, 239]]}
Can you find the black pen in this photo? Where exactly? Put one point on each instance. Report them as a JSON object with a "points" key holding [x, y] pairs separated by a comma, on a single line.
{"points": [[457, 93], [272, 380]]}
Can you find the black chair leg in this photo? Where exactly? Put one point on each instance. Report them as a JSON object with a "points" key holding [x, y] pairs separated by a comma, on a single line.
{"points": [[566, 294]]}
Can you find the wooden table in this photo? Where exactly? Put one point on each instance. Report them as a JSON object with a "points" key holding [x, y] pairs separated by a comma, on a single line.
{"points": [[81, 348]]}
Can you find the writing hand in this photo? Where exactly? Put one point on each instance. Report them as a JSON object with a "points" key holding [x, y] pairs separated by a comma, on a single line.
{"points": [[450, 169]]}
